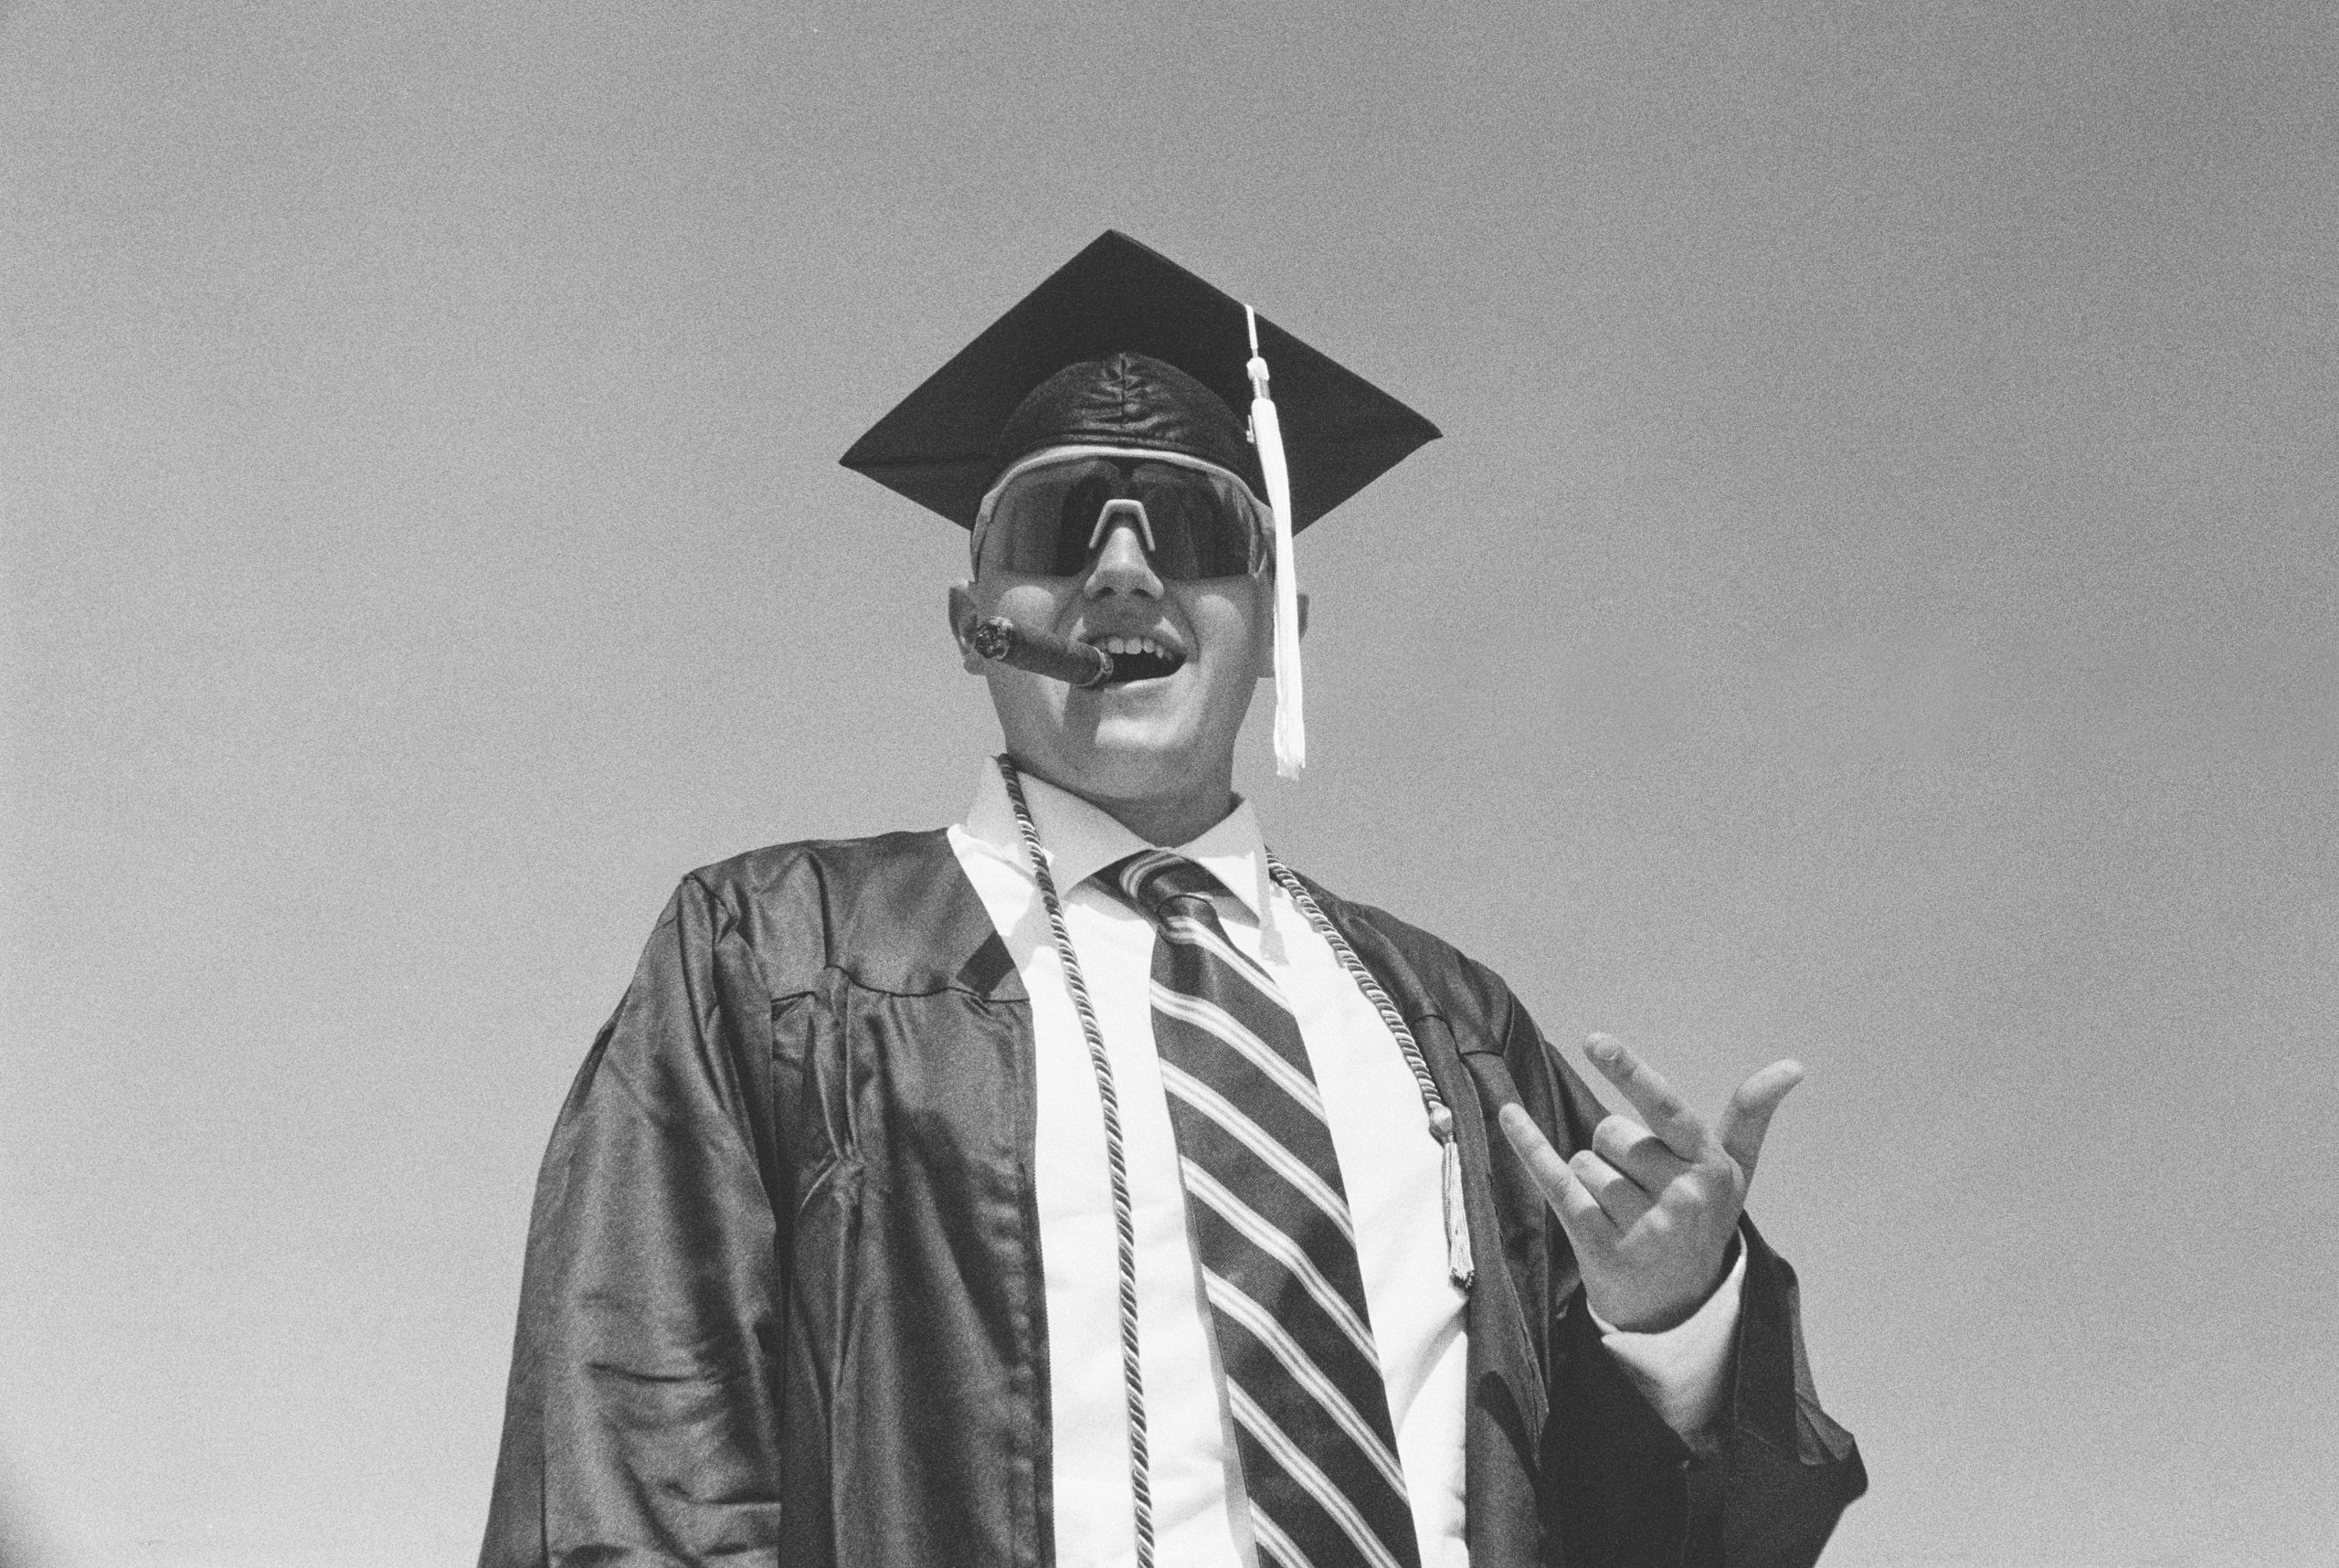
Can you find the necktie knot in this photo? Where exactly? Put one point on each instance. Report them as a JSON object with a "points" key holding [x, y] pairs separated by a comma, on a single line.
{"points": [[1156, 881]]}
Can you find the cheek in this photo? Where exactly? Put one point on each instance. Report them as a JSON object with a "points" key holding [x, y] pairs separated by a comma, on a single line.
{"points": [[1023, 601], [1030, 708], [1231, 620]]}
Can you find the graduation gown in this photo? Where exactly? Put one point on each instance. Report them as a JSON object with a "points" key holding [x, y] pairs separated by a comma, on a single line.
{"points": [[783, 1301]]}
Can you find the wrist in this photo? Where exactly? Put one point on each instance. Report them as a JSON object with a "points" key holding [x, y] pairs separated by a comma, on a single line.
{"points": [[1665, 1316]]}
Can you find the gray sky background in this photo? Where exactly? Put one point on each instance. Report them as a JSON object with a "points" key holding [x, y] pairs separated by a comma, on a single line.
{"points": [[1874, 602]]}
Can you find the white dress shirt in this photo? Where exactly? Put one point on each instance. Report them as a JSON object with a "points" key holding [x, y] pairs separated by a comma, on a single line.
{"points": [[1389, 1165]]}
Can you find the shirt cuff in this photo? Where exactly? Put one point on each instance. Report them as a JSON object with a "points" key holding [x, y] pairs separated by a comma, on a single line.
{"points": [[1684, 1370]]}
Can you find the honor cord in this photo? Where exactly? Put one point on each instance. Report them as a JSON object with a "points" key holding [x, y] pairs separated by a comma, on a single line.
{"points": [[1460, 1267], [1116, 1163]]}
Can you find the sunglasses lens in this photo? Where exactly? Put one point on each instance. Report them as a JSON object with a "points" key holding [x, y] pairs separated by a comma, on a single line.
{"points": [[1198, 530], [1041, 523], [1035, 526], [1070, 521]]}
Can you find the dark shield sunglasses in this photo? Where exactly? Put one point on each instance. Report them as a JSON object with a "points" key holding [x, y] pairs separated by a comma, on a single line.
{"points": [[1048, 521]]}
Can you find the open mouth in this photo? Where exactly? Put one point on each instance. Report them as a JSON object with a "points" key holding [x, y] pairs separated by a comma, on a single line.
{"points": [[1139, 658]]}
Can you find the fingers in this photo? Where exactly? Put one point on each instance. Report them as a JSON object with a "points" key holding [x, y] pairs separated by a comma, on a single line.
{"points": [[1621, 1198], [1579, 1211], [1634, 1150], [1666, 1114], [1747, 1117]]}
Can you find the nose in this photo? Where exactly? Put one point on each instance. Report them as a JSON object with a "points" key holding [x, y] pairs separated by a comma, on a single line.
{"points": [[1122, 566]]}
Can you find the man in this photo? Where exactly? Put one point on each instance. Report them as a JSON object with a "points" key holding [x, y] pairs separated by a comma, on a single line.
{"points": [[1081, 1186]]}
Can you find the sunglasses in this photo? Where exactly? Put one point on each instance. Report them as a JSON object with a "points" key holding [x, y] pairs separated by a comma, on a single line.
{"points": [[1049, 521]]}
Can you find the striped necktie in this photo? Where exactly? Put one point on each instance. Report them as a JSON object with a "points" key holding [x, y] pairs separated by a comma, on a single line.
{"points": [[1270, 1224]]}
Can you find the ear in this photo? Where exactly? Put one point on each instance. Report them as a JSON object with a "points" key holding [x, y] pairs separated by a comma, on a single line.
{"points": [[962, 621], [1265, 664]]}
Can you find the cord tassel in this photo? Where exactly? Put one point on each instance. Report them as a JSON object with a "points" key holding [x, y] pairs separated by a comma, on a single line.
{"points": [[1266, 431], [1460, 1267]]}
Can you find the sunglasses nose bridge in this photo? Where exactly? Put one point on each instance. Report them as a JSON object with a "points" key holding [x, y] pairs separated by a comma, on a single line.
{"points": [[1122, 506]]}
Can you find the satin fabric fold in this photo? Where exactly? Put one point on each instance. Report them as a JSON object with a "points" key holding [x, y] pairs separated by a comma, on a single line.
{"points": [[783, 1300]]}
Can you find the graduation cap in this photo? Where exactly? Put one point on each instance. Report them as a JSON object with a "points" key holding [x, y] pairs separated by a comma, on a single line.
{"points": [[1123, 347]]}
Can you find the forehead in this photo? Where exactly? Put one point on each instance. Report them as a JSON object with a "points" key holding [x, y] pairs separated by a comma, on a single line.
{"points": [[1125, 458]]}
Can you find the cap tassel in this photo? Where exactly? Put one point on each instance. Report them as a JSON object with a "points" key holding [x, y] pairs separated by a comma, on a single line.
{"points": [[1266, 430]]}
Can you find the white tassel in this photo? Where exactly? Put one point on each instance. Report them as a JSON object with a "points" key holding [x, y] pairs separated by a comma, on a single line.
{"points": [[1266, 430]]}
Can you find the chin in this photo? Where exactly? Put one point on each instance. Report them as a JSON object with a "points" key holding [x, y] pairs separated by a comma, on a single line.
{"points": [[1151, 741], [1133, 757]]}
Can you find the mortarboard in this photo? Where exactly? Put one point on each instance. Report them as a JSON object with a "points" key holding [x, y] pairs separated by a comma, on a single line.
{"points": [[1164, 362]]}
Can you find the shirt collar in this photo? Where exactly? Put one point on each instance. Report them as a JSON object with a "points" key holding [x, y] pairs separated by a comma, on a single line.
{"points": [[1081, 840]]}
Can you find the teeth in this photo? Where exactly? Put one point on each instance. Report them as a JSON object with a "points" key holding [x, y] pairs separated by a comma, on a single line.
{"points": [[1128, 645]]}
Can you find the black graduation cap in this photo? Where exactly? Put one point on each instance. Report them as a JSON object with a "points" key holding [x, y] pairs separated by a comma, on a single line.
{"points": [[941, 446]]}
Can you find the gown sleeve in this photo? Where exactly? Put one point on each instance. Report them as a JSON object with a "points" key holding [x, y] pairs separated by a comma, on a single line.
{"points": [[1764, 1483], [643, 1419]]}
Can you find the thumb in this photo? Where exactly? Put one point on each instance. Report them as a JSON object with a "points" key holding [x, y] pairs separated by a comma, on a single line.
{"points": [[1747, 1118]]}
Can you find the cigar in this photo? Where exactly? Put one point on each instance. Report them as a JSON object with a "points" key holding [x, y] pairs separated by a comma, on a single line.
{"points": [[1041, 653]]}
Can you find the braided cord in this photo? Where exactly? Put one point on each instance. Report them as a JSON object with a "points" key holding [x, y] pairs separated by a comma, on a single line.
{"points": [[1458, 1261], [1124, 1226]]}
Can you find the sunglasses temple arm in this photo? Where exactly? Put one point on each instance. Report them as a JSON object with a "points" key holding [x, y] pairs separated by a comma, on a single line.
{"points": [[1001, 640]]}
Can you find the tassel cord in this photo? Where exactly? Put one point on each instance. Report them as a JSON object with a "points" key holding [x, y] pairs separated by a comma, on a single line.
{"points": [[1116, 1163], [1461, 1269], [1266, 433], [1460, 1266]]}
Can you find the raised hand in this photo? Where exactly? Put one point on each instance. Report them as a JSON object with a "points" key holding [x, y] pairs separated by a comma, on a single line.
{"points": [[1651, 1210]]}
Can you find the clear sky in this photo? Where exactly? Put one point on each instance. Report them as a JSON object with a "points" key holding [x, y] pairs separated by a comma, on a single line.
{"points": [[1875, 602]]}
